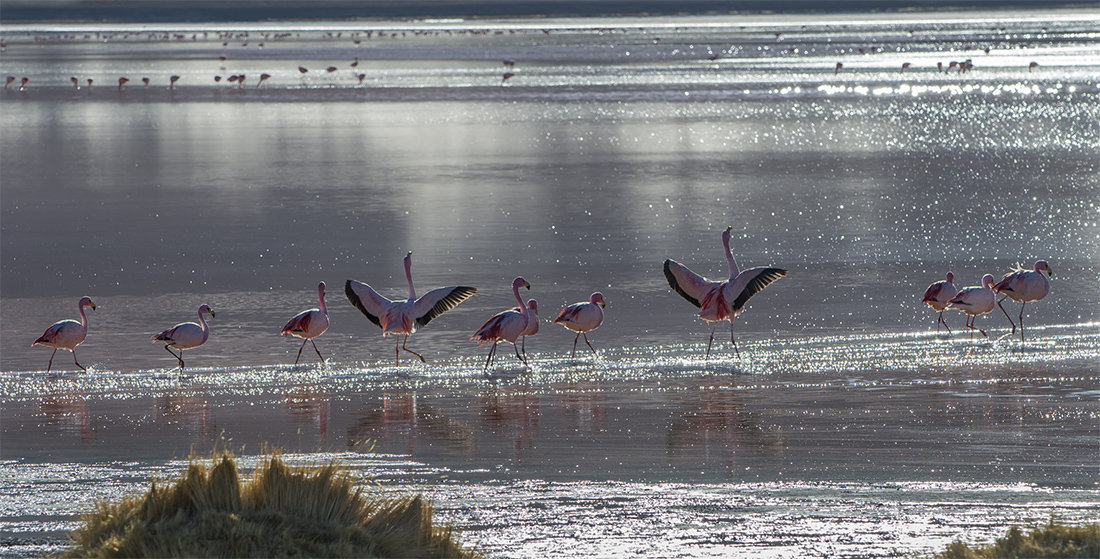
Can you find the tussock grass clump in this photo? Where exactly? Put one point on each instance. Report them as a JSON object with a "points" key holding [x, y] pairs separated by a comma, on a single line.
{"points": [[280, 512], [1052, 541]]}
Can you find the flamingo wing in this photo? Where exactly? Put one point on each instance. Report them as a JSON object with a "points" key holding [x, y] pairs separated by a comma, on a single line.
{"points": [[439, 301], [933, 292], [1007, 282], [51, 333], [300, 323], [367, 300], [754, 281], [688, 284]]}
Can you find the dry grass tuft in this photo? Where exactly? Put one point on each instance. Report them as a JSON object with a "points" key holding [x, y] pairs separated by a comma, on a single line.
{"points": [[1052, 541], [280, 512]]}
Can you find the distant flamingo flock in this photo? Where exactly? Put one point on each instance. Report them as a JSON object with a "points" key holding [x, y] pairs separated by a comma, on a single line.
{"points": [[717, 301]]}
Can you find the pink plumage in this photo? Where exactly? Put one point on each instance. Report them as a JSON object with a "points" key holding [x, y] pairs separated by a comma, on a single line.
{"points": [[583, 318], [309, 324], [938, 295], [1024, 286], [720, 300], [67, 334], [506, 325], [186, 335], [974, 301]]}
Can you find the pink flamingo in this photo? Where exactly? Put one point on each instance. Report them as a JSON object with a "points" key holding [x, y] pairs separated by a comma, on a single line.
{"points": [[404, 317], [186, 335], [309, 324], [583, 318], [720, 300], [1024, 286], [172, 81], [975, 300], [938, 295], [67, 334], [532, 312], [506, 325]]}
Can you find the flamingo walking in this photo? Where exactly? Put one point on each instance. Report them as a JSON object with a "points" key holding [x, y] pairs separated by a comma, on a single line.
{"points": [[938, 295], [583, 318], [186, 335], [975, 300], [506, 325], [309, 324], [1024, 286], [720, 300], [67, 334], [404, 317]]}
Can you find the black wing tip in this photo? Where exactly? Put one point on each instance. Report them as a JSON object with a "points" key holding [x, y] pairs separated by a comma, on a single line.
{"points": [[457, 295], [675, 285], [353, 297]]}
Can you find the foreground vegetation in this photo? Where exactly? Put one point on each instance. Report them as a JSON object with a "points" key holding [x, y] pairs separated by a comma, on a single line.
{"points": [[280, 512], [1051, 541]]}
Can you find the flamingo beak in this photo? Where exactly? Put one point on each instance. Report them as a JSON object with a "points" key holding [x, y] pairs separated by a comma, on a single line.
{"points": [[1050, 272], [527, 285], [91, 304], [211, 314], [602, 304]]}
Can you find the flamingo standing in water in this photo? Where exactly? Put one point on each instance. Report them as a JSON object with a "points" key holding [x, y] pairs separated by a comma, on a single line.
{"points": [[720, 300], [975, 300], [309, 324], [67, 334], [186, 335], [938, 295], [583, 318], [404, 317], [1024, 286], [506, 325]]}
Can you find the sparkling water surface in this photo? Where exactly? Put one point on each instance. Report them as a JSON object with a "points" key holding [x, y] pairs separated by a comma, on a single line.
{"points": [[846, 426]]}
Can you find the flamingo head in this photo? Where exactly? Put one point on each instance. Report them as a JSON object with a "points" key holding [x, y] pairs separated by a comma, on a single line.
{"points": [[533, 305], [987, 281], [86, 302], [950, 277], [206, 309], [1042, 266], [321, 289], [597, 299], [520, 282]]}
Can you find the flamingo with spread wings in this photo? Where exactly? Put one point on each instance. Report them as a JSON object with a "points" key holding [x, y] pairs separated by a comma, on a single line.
{"points": [[405, 317], [720, 300]]}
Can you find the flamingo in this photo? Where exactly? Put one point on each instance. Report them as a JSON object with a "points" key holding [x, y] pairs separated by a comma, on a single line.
{"points": [[723, 300], [263, 78], [506, 325], [404, 317], [122, 81], [532, 324], [975, 300], [938, 295], [583, 318], [172, 81], [67, 334], [186, 335], [1024, 286], [8, 80], [309, 324]]}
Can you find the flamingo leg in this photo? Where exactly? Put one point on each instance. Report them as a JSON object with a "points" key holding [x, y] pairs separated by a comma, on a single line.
{"points": [[303, 346], [575, 345], [522, 360], [944, 322], [1022, 305], [1006, 313], [317, 350], [590, 345], [397, 351], [78, 362], [492, 350], [50, 365], [710, 341], [733, 341], [411, 351], [524, 348], [178, 357]]}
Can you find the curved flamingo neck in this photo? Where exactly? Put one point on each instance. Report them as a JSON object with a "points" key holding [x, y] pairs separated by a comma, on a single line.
{"points": [[202, 324], [83, 317], [729, 256], [522, 306], [321, 297], [409, 276]]}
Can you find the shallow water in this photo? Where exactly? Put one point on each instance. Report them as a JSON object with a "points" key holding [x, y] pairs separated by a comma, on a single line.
{"points": [[846, 426]]}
